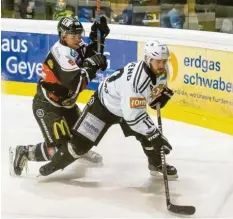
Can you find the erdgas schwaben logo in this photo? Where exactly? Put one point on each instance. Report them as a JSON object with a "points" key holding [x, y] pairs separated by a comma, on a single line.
{"points": [[205, 73], [173, 68]]}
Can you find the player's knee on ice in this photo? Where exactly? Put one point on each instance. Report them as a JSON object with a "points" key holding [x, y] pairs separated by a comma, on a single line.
{"points": [[81, 145]]}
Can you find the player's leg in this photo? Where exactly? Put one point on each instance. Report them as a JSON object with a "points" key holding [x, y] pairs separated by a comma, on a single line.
{"points": [[154, 158], [72, 115], [87, 132], [55, 131]]}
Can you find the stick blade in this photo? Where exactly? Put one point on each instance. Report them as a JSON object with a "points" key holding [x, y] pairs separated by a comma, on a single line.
{"points": [[179, 209]]}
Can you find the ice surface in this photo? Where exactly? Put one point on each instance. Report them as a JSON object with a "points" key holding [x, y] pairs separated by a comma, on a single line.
{"points": [[123, 186]]}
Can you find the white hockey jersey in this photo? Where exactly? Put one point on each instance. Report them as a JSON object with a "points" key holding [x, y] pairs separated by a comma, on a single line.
{"points": [[127, 91]]}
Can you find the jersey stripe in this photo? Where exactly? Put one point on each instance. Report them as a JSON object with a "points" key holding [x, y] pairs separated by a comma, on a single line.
{"points": [[137, 75], [144, 85], [137, 120]]}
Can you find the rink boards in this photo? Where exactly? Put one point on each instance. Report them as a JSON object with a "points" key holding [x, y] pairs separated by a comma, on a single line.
{"points": [[200, 72]]}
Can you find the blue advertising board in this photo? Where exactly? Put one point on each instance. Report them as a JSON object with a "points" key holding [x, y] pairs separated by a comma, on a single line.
{"points": [[24, 53]]}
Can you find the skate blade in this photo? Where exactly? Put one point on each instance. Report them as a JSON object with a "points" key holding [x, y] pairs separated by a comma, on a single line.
{"points": [[11, 161], [159, 175]]}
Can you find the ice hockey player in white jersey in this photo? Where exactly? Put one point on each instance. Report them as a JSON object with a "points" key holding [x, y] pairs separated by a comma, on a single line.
{"points": [[122, 98]]}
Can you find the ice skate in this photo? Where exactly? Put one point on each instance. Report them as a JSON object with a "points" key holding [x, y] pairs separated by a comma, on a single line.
{"points": [[158, 172], [55, 165], [92, 157], [18, 159]]}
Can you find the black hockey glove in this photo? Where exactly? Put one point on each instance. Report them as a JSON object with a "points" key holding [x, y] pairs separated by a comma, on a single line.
{"points": [[94, 63], [102, 27], [158, 141], [162, 99]]}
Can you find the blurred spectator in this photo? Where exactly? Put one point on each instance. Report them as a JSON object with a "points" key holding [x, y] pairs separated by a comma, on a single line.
{"points": [[129, 16], [85, 14], [126, 17], [173, 18], [61, 10], [24, 9]]}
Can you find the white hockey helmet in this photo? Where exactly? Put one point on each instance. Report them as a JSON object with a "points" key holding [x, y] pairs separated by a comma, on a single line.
{"points": [[154, 49]]}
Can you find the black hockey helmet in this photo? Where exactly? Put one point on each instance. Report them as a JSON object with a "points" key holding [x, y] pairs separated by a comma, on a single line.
{"points": [[69, 25]]}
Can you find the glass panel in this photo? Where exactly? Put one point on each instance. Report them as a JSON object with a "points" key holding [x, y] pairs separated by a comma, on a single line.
{"points": [[39, 13], [121, 12], [56, 9], [32, 9], [174, 14], [136, 12], [224, 16], [87, 10], [202, 15], [7, 8], [208, 15]]}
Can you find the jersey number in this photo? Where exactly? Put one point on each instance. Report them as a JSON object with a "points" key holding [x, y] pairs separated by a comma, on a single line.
{"points": [[117, 74], [148, 122]]}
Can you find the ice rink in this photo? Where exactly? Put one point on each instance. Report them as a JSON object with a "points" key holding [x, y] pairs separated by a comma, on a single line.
{"points": [[122, 187]]}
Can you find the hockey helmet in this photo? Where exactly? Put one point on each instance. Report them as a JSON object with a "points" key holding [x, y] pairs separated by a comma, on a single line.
{"points": [[155, 50], [69, 25]]}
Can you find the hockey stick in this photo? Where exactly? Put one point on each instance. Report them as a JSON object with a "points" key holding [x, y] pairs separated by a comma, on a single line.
{"points": [[98, 5], [178, 209]]}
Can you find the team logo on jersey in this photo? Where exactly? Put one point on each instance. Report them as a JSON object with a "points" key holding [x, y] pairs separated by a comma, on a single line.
{"points": [[63, 127], [156, 91], [40, 113], [73, 52], [137, 102], [50, 63], [72, 62]]}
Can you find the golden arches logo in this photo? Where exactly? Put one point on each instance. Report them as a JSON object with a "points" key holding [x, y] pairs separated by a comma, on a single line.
{"points": [[63, 127], [174, 65]]}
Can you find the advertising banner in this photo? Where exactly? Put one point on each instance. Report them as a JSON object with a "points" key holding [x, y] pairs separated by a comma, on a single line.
{"points": [[23, 55], [202, 81]]}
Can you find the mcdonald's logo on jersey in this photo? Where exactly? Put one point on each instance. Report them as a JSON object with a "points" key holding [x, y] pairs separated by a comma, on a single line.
{"points": [[63, 127]]}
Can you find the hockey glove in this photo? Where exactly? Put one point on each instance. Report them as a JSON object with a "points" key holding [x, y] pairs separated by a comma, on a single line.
{"points": [[102, 27], [94, 63], [97, 60], [158, 141], [163, 98]]}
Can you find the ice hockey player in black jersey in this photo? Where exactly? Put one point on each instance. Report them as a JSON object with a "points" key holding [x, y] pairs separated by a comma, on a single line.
{"points": [[122, 98], [69, 66]]}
